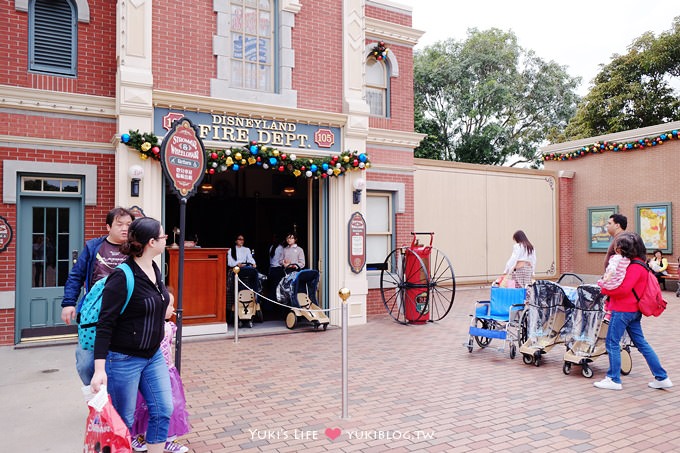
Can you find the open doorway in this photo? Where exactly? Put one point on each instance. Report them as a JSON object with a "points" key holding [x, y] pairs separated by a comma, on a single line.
{"points": [[256, 204]]}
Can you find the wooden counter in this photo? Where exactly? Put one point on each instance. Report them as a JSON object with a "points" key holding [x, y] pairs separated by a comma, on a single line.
{"points": [[205, 284]]}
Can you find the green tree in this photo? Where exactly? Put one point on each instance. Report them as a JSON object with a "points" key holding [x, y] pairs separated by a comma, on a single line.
{"points": [[485, 100], [633, 90]]}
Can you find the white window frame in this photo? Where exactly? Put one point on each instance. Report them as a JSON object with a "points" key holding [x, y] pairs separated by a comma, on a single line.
{"points": [[378, 88]]}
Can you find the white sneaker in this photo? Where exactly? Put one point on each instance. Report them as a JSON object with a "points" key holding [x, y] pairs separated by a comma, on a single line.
{"points": [[608, 384], [665, 384]]}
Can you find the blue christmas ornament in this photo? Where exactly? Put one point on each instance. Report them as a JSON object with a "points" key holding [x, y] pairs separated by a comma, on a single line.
{"points": [[362, 157], [663, 136], [235, 167], [272, 161], [125, 138], [324, 166], [313, 168], [253, 149]]}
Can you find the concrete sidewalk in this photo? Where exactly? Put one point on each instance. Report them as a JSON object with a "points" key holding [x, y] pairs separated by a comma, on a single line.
{"points": [[411, 388]]}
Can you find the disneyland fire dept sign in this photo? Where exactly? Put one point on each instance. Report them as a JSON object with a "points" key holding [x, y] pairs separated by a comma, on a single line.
{"points": [[183, 157], [235, 129]]}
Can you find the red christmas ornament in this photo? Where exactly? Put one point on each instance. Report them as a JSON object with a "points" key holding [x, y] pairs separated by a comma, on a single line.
{"points": [[281, 168], [355, 162], [303, 168], [259, 159], [283, 157], [211, 171], [213, 156], [253, 142], [324, 175], [156, 150]]}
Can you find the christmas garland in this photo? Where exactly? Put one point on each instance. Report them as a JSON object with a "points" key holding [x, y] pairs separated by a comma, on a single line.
{"points": [[266, 157], [601, 147], [379, 51]]}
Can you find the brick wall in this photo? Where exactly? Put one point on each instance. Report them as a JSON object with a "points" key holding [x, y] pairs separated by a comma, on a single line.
{"points": [[622, 179], [183, 32], [96, 52], [317, 40], [388, 15]]}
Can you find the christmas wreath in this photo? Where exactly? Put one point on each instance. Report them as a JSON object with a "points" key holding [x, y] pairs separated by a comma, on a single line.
{"points": [[379, 51]]}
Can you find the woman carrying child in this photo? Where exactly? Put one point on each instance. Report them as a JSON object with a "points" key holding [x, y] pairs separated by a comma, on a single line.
{"points": [[625, 316]]}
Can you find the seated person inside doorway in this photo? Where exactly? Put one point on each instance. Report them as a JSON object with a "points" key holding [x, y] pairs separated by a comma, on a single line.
{"points": [[240, 255], [293, 257]]}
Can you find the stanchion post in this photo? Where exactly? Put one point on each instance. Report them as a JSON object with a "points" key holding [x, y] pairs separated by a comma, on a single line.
{"points": [[236, 271], [344, 294]]}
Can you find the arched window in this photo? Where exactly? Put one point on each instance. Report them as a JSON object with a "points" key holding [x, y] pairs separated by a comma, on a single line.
{"points": [[377, 87], [53, 37]]}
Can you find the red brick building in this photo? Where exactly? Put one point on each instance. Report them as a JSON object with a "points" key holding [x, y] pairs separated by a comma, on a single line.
{"points": [[80, 73]]}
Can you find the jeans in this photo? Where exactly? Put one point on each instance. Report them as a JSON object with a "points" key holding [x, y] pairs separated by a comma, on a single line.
{"points": [[128, 373], [84, 364], [630, 322]]}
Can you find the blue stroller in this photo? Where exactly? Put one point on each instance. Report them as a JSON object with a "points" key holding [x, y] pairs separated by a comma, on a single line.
{"points": [[497, 318], [298, 290]]}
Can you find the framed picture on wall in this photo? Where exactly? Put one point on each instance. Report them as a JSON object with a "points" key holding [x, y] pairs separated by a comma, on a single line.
{"points": [[598, 238], [655, 226]]}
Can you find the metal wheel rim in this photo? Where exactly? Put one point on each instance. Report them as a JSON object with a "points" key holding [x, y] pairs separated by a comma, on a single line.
{"points": [[442, 285], [394, 286]]}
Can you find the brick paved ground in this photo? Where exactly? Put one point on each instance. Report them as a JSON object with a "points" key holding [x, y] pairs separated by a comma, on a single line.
{"points": [[416, 388]]}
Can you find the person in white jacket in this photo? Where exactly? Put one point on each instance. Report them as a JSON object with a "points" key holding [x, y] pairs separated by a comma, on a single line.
{"points": [[239, 255], [520, 267]]}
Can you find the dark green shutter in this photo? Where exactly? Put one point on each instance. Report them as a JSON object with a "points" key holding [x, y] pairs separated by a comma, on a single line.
{"points": [[53, 37]]}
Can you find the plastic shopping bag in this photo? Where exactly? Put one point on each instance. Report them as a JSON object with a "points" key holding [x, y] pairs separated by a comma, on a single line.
{"points": [[105, 431]]}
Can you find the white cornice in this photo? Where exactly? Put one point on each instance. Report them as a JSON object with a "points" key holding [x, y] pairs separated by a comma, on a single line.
{"points": [[395, 33], [52, 143], [56, 101], [394, 138], [194, 103]]}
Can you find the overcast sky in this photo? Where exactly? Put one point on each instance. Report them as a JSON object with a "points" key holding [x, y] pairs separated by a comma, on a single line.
{"points": [[580, 34]]}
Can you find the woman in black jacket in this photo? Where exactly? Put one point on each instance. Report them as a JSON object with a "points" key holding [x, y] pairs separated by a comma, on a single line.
{"points": [[126, 349]]}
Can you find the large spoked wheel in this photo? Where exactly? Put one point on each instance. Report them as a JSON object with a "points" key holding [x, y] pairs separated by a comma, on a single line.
{"points": [[626, 361], [404, 300], [442, 285]]}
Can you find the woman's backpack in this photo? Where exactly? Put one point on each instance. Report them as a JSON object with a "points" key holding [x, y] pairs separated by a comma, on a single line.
{"points": [[650, 302], [92, 305]]}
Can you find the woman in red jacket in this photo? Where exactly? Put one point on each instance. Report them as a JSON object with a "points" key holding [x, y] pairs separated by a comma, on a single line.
{"points": [[626, 316]]}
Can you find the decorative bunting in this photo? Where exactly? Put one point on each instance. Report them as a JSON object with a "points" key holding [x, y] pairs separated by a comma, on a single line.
{"points": [[265, 157], [601, 147]]}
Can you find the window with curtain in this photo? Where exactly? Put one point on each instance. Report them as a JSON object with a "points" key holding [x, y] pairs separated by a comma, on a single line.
{"points": [[252, 44], [377, 77], [379, 227], [52, 37]]}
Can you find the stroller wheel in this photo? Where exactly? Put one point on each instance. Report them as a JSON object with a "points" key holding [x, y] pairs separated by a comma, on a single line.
{"points": [[513, 351], [469, 345], [528, 359], [250, 323], [566, 368], [586, 371], [325, 326], [626, 361], [537, 358], [291, 320]]}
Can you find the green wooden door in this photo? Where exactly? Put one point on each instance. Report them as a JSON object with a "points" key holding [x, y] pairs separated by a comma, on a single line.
{"points": [[49, 233]]}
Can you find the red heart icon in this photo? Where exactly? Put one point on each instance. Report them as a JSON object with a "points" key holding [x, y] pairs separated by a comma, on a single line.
{"points": [[333, 434]]}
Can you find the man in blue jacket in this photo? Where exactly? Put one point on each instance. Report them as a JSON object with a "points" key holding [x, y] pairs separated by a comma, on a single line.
{"points": [[99, 258]]}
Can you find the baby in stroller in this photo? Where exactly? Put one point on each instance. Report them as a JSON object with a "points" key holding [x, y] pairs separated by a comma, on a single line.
{"points": [[298, 290]]}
